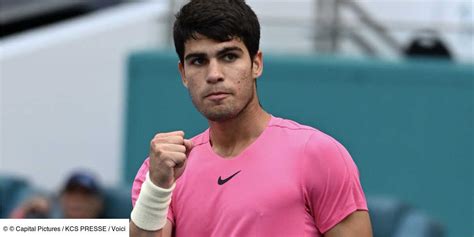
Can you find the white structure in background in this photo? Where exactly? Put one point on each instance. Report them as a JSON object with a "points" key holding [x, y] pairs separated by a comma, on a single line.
{"points": [[62, 87], [62, 92], [452, 19]]}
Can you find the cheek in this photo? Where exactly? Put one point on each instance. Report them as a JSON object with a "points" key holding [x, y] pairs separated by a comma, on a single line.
{"points": [[195, 91], [192, 78], [193, 88]]}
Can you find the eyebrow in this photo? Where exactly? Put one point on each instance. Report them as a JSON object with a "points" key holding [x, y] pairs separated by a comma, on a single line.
{"points": [[194, 55], [219, 53], [229, 49]]}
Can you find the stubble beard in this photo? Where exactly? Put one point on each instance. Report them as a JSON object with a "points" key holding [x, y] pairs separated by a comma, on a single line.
{"points": [[222, 112]]}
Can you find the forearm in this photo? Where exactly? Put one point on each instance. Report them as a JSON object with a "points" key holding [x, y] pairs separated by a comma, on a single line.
{"points": [[137, 232], [355, 225]]}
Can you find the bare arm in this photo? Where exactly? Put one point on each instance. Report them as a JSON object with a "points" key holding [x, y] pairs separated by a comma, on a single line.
{"points": [[168, 154], [137, 232], [356, 224]]}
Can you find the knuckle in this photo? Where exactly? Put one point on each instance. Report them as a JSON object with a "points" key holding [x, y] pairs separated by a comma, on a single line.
{"points": [[180, 139], [157, 149], [181, 156], [157, 136], [156, 140], [179, 133], [169, 162], [153, 145]]}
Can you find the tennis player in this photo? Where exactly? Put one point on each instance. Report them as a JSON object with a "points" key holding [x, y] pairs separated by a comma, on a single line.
{"points": [[250, 173]]}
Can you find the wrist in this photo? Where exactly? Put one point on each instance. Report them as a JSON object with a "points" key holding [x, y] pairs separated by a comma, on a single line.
{"points": [[151, 208], [156, 181]]}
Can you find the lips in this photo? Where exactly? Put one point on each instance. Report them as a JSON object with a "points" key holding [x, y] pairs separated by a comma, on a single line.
{"points": [[217, 95]]}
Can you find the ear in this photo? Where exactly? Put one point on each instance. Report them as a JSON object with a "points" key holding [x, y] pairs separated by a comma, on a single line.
{"points": [[257, 67], [183, 74]]}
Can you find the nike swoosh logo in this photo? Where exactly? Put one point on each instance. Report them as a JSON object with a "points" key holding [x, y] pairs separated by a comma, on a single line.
{"points": [[223, 181]]}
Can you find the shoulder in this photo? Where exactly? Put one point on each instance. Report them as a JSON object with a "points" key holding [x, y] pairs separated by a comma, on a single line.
{"points": [[289, 131], [326, 156], [290, 125], [326, 148], [305, 135], [316, 145]]}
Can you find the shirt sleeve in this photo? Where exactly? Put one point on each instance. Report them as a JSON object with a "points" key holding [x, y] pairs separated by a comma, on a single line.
{"points": [[137, 186], [139, 179], [331, 185]]}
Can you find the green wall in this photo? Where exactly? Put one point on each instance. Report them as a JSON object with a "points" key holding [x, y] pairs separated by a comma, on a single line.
{"points": [[408, 125]]}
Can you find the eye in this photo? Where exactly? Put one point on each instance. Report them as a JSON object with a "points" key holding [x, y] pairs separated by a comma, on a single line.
{"points": [[197, 61], [230, 57]]}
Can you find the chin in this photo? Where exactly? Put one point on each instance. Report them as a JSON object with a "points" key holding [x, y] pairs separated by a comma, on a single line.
{"points": [[220, 115], [221, 112]]}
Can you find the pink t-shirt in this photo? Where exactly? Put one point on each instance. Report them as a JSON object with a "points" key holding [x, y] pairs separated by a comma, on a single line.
{"points": [[293, 180]]}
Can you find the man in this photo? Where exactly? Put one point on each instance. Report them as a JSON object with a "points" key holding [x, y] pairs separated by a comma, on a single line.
{"points": [[79, 198], [249, 174]]}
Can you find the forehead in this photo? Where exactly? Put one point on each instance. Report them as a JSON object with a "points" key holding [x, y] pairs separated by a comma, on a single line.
{"points": [[209, 46]]}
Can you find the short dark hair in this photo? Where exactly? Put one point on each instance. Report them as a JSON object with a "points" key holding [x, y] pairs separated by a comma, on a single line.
{"points": [[220, 20]]}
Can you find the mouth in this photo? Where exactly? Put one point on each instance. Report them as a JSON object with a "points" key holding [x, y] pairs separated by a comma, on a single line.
{"points": [[217, 95]]}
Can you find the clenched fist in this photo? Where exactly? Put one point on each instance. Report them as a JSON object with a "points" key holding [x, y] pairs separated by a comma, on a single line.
{"points": [[168, 154]]}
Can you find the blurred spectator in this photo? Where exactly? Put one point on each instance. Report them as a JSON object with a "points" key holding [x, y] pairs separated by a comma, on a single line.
{"points": [[80, 197], [427, 43]]}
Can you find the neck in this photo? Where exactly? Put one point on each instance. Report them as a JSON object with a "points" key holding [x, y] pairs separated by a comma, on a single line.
{"points": [[229, 138]]}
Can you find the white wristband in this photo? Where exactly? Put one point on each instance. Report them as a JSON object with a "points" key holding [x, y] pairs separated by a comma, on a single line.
{"points": [[151, 208]]}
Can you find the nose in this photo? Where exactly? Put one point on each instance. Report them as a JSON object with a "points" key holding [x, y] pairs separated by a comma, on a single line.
{"points": [[214, 73]]}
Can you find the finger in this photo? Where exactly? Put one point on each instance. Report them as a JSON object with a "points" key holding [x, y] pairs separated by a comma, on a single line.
{"points": [[171, 139], [167, 134], [177, 158], [173, 148], [179, 165]]}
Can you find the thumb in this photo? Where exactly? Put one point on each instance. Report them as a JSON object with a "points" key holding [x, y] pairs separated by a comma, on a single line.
{"points": [[189, 145]]}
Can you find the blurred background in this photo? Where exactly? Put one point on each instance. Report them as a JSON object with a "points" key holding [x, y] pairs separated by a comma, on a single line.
{"points": [[68, 98]]}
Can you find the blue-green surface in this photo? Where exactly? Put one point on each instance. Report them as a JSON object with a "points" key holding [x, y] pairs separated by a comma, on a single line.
{"points": [[408, 125]]}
